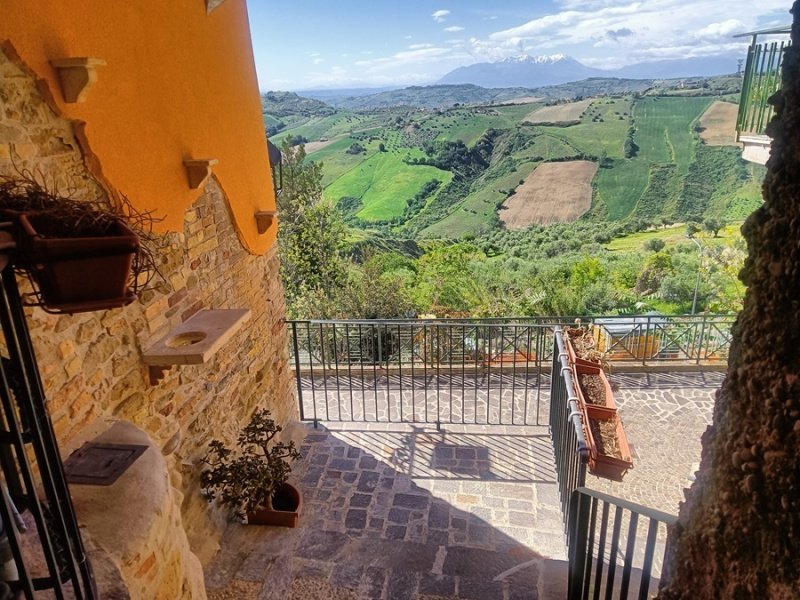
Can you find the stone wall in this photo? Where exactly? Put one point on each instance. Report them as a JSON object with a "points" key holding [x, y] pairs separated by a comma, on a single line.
{"points": [[91, 363]]}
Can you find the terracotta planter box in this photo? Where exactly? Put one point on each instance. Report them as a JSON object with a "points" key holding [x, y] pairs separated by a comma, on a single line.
{"points": [[587, 368], [604, 465], [79, 274], [287, 504], [573, 357]]}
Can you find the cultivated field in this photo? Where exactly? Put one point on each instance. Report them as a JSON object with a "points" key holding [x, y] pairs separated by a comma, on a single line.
{"points": [[559, 113], [719, 124], [664, 129], [384, 183], [554, 193]]}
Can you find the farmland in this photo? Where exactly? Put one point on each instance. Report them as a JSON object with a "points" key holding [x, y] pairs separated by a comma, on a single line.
{"points": [[537, 206], [718, 124], [649, 150], [554, 193], [558, 113]]}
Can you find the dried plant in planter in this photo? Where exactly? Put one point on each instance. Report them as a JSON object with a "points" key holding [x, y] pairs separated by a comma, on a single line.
{"points": [[90, 237], [585, 346], [248, 480]]}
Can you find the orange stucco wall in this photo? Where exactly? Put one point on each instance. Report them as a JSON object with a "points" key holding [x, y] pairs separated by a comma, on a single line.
{"points": [[178, 84]]}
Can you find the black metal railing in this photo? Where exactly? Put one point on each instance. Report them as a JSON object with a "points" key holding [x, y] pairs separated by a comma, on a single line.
{"points": [[762, 78], [32, 470], [570, 449], [471, 370], [468, 372], [615, 547]]}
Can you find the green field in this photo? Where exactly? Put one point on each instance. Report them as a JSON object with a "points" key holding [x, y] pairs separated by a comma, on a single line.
{"points": [[336, 162], [673, 236], [664, 129], [475, 214], [620, 187], [596, 137], [384, 183], [328, 127]]}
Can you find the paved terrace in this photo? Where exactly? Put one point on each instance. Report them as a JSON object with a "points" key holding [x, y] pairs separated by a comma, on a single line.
{"points": [[395, 511]]}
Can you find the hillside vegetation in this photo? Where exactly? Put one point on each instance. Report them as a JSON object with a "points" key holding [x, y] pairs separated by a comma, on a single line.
{"points": [[484, 181]]}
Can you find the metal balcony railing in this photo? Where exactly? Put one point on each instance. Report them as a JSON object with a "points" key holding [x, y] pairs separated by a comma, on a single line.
{"points": [[472, 371], [616, 548], [762, 78], [50, 560]]}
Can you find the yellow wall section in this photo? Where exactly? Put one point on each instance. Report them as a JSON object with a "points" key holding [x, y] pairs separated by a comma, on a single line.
{"points": [[178, 84]]}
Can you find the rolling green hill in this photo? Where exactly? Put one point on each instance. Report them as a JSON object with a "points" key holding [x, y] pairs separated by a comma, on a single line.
{"points": [[652, 163]]}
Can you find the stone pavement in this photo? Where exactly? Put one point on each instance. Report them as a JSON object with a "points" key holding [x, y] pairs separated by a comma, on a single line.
{"points": [[395, 511], [664, 415], [398, 512]]}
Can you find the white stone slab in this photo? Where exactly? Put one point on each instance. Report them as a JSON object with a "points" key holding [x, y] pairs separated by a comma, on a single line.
{"points": [[196, 340]]}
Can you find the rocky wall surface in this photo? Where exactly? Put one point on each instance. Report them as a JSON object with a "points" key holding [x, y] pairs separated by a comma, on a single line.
{"points": [[91, 363]]}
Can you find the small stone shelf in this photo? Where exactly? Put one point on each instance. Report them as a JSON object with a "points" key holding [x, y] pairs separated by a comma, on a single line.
{"points": [[264, 219], [198, 170], [77, 75], [195, 341]]}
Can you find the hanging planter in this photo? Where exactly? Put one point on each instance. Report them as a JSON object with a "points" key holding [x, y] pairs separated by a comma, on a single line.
{"points": [[77, 274], [609, 452], [79, 255], [594, 388]]}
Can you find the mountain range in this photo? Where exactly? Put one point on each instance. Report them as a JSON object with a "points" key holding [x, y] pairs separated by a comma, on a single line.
{"points": [[536, 71]]}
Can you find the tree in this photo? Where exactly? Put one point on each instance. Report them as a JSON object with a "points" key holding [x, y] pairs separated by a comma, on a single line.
{"points": [[381, 147], [311, 233], [655, 245], [713, 226], [692, 229], [738, 533]]}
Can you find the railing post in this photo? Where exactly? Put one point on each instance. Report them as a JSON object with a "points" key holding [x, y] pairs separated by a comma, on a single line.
{"points": [[297, 376], [577, 542]]}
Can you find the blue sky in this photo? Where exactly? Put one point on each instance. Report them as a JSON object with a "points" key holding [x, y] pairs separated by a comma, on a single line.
{"points": [[304, 44]]}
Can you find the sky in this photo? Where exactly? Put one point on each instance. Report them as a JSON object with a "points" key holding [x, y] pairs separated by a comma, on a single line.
{"points": [[318, 44]]}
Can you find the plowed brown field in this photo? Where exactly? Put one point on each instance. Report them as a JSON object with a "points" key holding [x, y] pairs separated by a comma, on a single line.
{"points": [[559, 113], [557, 192], [719, 123]]}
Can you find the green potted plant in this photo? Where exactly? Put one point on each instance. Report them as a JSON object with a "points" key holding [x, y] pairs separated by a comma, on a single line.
{"points": [[252, 483], [80, 255]]}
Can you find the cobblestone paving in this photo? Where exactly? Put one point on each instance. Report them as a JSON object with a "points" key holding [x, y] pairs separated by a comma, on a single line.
{"points": [[664, 415], [400, 512], [395, 511]]}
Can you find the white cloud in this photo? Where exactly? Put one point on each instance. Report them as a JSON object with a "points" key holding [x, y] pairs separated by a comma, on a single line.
{"points": [[419, 46], [440, 15], [407, 37], [628, 31], [453, 28], [317, 60], [721, 30]]}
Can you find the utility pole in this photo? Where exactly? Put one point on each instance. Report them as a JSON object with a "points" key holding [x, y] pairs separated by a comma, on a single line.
{"points": [[699, 267]]}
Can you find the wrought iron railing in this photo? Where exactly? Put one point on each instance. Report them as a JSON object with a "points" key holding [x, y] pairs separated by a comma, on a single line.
{"points": [[762, 78], [479, 371], [570, 449], [615, 547], [26, 435]]}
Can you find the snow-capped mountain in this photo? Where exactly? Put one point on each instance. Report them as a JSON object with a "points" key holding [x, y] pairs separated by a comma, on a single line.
{"points": [[537, 71], [522, 71]]}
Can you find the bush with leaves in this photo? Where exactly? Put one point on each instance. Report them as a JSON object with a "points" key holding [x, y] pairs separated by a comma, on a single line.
{"points": [[249, 479]]}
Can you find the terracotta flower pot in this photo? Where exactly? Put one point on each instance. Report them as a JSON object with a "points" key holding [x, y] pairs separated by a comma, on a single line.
{"points": [[287, 504], [587, 368], [79, 274], [605, 465]]}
